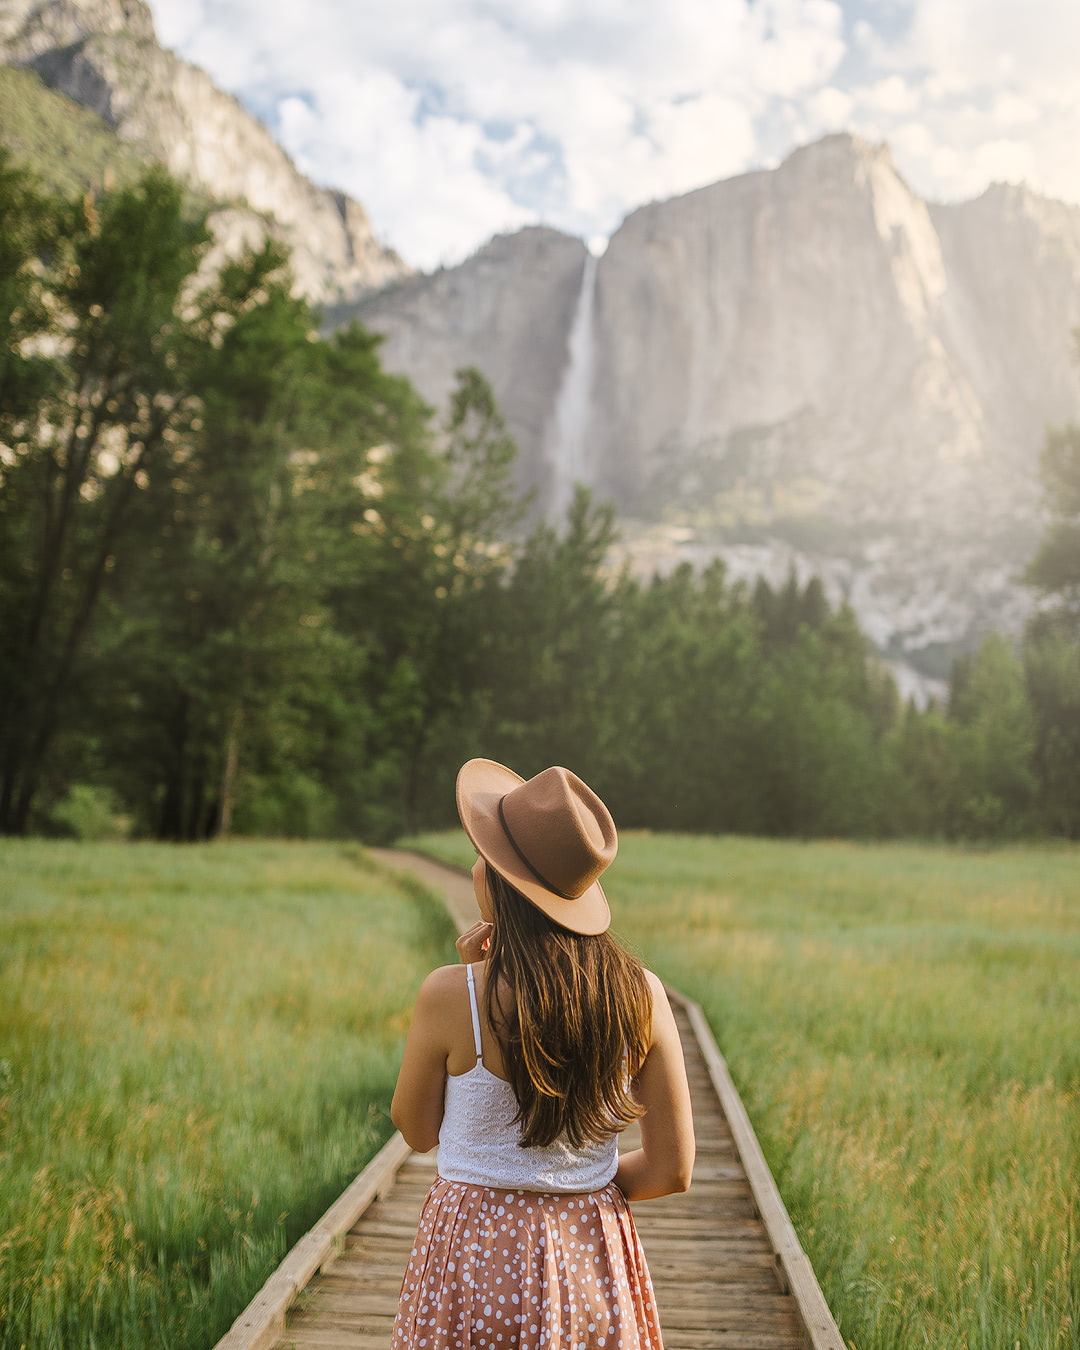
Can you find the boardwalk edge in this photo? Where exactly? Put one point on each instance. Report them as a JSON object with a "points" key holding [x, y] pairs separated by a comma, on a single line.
{"points": [[263, 1320], [794, 1268]]}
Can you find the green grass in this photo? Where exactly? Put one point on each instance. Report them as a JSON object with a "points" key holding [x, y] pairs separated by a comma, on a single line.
{"points": [[197, 1052], [69, 147], [903, 1023]]}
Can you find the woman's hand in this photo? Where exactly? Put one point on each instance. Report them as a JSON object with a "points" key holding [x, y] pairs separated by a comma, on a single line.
{"points": [[472, 945]]}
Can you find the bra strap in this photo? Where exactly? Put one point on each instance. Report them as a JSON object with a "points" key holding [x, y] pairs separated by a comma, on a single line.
{"points": [[475, 1014]]}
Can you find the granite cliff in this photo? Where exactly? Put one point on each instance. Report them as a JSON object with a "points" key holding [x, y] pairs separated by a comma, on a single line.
{"points": [[820, 337], [807, 366], [104, 55], [508, 309]]}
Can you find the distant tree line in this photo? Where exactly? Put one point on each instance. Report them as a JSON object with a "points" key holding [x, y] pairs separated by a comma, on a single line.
{"points": [[248, 583]]}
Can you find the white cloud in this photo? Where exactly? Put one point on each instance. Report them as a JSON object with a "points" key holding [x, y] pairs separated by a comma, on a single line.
{"points": [[452, 121], [830, 108], [701, 140], [449, 122], [913, 140], [997, 89], [431, 167], [1013, 110], [892, 95], [800, 48], [1003, 160], [983, 41]]}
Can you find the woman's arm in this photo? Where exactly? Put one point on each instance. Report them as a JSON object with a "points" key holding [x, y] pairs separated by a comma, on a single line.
{"points": [[664, 1162], [417, 1108], [420, 1094]]}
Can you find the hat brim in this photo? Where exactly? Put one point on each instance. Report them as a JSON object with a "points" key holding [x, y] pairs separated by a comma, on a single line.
{"points": [[481, 786]]}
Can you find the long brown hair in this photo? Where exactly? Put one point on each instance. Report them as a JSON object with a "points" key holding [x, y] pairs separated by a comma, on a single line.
{"points": [[573, 1016]]}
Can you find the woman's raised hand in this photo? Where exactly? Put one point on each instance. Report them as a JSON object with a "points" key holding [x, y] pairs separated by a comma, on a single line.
{"points": [[472, 945]]}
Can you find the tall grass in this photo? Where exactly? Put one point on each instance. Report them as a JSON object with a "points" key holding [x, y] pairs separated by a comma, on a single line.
{"points": [[197, 1052], [903, 1023]]}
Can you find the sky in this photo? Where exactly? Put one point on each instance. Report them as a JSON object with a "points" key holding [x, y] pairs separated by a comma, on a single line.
{"points": [[453, 120]]}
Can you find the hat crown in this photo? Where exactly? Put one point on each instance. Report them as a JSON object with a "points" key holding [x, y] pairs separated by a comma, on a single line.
{"points": [[561, 830]]}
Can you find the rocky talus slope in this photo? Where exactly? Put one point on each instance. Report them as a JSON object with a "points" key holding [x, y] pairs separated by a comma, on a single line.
{"points": [[104, 55]]}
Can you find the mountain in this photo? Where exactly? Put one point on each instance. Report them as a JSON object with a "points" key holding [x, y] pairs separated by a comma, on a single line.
{"points": [[807, 366], [803, 367], [103, 55]]}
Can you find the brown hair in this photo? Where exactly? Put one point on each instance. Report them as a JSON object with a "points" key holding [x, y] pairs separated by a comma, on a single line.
{"points": [[574, 1021]]}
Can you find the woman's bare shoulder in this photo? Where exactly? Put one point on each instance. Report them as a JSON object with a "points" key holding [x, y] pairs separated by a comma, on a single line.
{"points": [[443, 984], [656, 985], [663, 1019]]}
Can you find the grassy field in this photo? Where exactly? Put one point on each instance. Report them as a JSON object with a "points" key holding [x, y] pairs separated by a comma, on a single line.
{"points": [[903, 1023], [69, 147], [197, 1052]]}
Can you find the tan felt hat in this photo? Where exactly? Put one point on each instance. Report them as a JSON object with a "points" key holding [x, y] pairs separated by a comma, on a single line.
{"points": [[551, 837]]}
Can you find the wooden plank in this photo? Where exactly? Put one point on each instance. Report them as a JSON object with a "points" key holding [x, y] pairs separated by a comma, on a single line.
{"points": [[706, 1250], [319, 1338], [372, 1324], [388, 1284], [768, 1334], [403, 1231], [262, 1321], [736, 1285], [332, 1338], [725, 1265], [820, 1327], [723, 1227], [773, 1311], [736, 1209], [336, 1338]]}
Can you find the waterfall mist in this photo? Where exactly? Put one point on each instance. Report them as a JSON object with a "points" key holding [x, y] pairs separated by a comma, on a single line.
{"points": [[566, 449]]}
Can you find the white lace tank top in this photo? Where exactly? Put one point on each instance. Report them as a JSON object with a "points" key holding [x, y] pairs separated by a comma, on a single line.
{"points": [[479, 1142]]}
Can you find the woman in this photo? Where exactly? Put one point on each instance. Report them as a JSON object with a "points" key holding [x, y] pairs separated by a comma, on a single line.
{"points": [[523, 1066]]}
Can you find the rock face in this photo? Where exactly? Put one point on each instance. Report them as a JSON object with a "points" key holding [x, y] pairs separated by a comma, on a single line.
{"points": [[819, 336], [806, 366], [508, 309], [104, 54]]}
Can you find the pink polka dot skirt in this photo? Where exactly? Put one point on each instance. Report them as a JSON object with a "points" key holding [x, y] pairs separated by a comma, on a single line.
{"points": [[518, 1270]]}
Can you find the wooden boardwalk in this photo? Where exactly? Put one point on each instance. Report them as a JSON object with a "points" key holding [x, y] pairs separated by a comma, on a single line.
{"points": [[727, 1268]]}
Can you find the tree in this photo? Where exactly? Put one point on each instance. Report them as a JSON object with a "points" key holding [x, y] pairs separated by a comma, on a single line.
{"points": [[921, 764], [1055, 568], [28, 235], [1052, 639], [178, 499], [995, 740], [544, 641], [475, 509], [1052, 672], [434, 543], [101, 392], [682, 659], [211, 631]]}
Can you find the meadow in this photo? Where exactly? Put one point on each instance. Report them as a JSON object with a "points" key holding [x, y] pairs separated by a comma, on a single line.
{"points": [[903, 1024], [197, 1052]]}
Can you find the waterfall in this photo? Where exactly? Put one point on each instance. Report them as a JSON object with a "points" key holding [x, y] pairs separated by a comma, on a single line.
{"points": [[566, 450]]}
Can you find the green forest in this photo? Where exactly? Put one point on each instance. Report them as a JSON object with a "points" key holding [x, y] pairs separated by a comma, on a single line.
{"points": [[250, 583]]}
